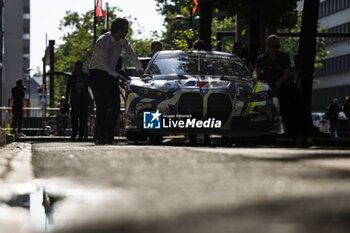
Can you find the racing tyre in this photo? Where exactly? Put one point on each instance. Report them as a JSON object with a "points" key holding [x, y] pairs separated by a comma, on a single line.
{"points": [[155, 139], [266, 140], [193, 138], [136, 137], [225, 141]]}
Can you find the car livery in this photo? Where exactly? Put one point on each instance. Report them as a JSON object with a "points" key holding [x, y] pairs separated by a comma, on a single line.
{"points": [[199, 92]]}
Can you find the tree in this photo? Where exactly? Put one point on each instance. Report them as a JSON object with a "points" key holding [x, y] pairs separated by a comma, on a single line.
{"points": [[78, 44], [307, 49], [291, 44], [177, 34], [206, 17], [260, 15]]}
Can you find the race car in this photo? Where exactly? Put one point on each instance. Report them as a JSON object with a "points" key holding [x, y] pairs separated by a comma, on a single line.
{"points": [[199, 92]]}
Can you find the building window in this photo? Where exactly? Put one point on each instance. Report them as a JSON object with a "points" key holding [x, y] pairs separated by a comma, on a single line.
{"points": [[26, 9], [334, 65], [343, 28], [26, 16], [26, 36], [329, 7], [26, 50]]}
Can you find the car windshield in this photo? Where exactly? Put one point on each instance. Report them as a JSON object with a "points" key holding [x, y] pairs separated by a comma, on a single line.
{"points": [[199, 63]]}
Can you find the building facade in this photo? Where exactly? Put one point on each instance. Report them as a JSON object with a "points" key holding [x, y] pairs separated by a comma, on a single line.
{"points": [[333, 78], [16, 45]]}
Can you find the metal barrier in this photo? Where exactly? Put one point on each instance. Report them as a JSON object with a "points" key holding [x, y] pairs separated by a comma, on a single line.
{"points": [[37, 121]]}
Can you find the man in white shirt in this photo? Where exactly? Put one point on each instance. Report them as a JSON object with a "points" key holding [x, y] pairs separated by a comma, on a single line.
{"points": [[106, 80]]}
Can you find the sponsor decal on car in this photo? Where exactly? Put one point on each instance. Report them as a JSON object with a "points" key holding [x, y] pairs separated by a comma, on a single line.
{"points": [[156, 120]]}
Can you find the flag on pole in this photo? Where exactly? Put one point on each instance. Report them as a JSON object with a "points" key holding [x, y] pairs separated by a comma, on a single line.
{"points": [[196, 8], [99, 11]]}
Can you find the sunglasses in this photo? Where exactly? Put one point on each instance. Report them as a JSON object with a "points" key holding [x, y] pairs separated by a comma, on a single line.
{"points": [[275, 46]]}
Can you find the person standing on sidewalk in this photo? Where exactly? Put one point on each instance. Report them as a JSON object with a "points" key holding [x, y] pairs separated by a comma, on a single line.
{"points": [[77, 90], [17, 107], [274, 67], [106, 80], [332, 115]]}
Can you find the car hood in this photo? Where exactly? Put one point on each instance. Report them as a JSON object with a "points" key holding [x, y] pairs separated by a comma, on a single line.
{"points": [[172, 83]]}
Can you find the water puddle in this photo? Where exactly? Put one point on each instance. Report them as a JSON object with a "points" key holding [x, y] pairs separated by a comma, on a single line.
{"points": [[41, 207]]}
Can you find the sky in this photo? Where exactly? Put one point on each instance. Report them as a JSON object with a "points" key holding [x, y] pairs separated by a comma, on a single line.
{"points": [[47, 14]]}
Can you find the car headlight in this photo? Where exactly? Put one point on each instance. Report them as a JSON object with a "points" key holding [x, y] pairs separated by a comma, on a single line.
{"points": [[151, 93], [256, 97]]}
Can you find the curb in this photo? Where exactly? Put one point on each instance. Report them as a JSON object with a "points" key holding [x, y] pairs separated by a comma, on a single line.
{"points": [[5, 138], [2, 137]]}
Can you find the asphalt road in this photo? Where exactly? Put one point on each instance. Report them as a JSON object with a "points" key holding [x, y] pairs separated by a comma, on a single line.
{"points": [[179, 188]]}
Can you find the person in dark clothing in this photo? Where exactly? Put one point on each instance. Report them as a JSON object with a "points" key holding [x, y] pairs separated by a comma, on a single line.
{"points": [[200, 45], [301, 105], [62, 116], [155, 47], [297, 71], [274, 67], [77, 89], [242, 52], [17, 107], [332, 115]]}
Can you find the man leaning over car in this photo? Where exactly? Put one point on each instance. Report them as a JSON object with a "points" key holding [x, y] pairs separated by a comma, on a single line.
{"points": [[105, 78]]}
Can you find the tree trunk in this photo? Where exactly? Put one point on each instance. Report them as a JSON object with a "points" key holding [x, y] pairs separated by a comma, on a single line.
{"points": [[206, 15], [254, 40], [307, 50]]}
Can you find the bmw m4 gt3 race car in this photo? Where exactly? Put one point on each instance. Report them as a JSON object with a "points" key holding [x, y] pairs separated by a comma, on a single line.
{"points": [[199, 92]]}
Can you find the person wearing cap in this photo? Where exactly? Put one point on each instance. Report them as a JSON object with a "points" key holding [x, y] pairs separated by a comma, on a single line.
{"points": [[106, 80], [332, 115]]}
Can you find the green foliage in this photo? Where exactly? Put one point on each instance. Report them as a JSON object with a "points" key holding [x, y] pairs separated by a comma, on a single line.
{"points": [[220, 24], [177, 34], [78, 44], [291, 44]]}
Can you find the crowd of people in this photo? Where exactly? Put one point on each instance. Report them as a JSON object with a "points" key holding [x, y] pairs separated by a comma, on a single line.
{"points": [[106, 75]]}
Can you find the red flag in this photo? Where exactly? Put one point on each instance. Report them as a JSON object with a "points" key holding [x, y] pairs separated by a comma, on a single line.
{"points": [[196, 8], [99, 11]]}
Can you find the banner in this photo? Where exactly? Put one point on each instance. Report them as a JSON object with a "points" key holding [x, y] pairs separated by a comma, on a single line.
{"points": [[196, 8], [99, 11]]}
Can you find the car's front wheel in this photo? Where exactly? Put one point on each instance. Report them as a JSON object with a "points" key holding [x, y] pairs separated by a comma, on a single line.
{"points": [[136, 137], [155, 139]]}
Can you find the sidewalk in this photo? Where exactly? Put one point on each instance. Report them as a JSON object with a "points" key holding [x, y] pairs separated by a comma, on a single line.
{"points": [[16, 173], [321, 140]]}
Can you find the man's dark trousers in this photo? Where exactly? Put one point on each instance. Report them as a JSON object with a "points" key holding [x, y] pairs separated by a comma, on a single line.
{"points": [[79, 116], [17, 112], [106, 93]]}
